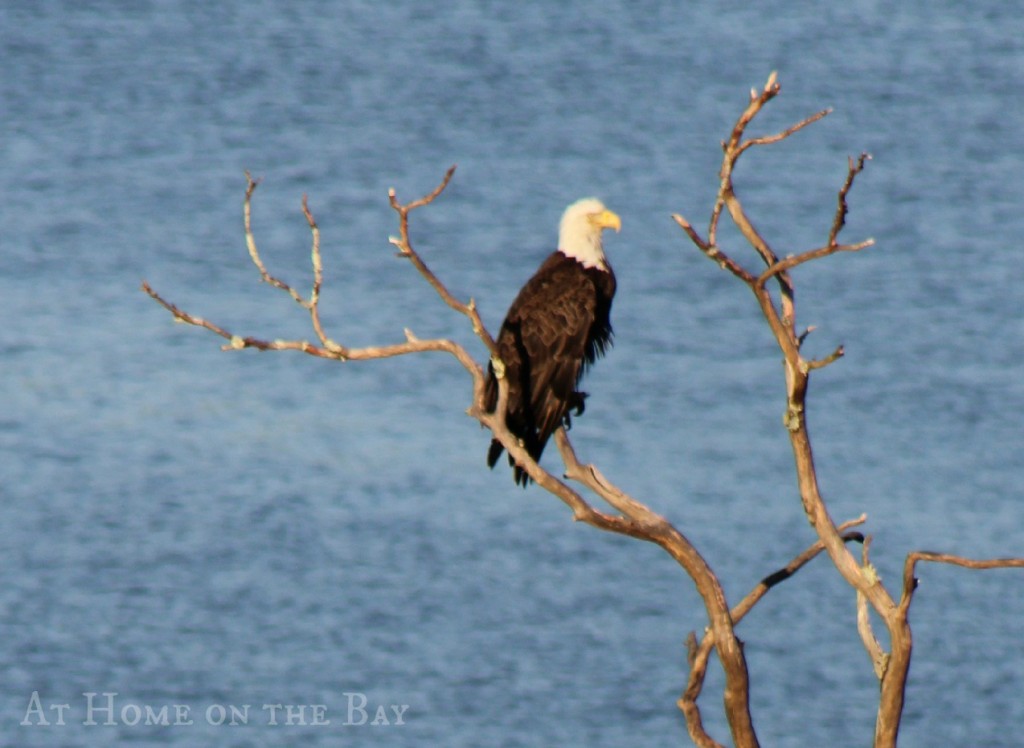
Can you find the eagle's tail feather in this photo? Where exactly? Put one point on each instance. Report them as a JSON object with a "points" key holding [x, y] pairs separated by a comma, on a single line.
{"points": [[494, 453]]}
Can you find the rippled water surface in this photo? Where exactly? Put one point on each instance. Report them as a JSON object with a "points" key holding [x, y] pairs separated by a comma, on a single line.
{"points": [[184, 526]]}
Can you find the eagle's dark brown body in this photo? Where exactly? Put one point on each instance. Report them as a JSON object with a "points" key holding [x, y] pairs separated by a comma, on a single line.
{"points": [[558, 325]]}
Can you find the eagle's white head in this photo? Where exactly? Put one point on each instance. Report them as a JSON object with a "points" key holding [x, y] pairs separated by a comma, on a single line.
{"points": [[579, 234]]}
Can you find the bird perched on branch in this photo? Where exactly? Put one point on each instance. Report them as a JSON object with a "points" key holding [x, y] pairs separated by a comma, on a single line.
{"points": [[558, 325]]}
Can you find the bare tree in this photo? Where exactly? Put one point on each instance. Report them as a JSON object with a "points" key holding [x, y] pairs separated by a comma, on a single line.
{"points": [[773, 289]]}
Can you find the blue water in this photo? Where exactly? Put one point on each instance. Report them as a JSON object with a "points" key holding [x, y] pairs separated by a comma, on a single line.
{"points": [[184, 526]]}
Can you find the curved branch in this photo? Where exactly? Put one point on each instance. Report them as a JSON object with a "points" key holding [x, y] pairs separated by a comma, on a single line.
{"points": [[254, 255], [330, 349], [404, 245], [832, 246], [754, 596], [657, 529], [714, 253], [782, 322], [909, 568], [699, 654]]}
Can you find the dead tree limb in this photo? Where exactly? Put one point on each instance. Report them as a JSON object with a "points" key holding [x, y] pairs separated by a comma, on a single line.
{"points": [[630, 517], [910, 565], [782, 321], [699, 654], [891, 667], [660, 531]]}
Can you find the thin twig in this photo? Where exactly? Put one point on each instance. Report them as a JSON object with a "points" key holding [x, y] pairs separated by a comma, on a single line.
{"points": [[318, 276], [729, 147], [769, 139], [741, 609], [312, 304], [405, 249], [821, 363], [714, 253], [181, 315], [909, 568], [854, 168], [727, 196], [879, 657], [250, 242], [788, 263]]}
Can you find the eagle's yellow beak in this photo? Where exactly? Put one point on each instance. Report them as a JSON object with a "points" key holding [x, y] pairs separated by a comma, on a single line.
{"points": [[606, 219]]}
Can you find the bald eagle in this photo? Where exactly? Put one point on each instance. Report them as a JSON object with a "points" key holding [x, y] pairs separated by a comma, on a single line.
{"points": [[558, 325]]}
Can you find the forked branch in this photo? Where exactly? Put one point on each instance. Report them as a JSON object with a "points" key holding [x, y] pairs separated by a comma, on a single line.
{"points": [[698, 654], [833, 246], [891, 667], [781, 320], [326, 347], [630, 517], [404, 245]]}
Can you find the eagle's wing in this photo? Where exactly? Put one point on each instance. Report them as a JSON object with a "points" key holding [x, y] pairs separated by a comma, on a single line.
{"points": [[555, 313]]}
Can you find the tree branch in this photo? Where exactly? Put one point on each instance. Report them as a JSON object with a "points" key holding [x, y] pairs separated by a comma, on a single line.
{"points": [[782, 323], [783, 327], [714, 253], [893, 667], [329, 348], [634, 520], [769, 139], [699, 654], [250, 243], [792, 261], [657, 529], [853, 169], [837, 354], [909, 569], [404, 245], [879, 657]]}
